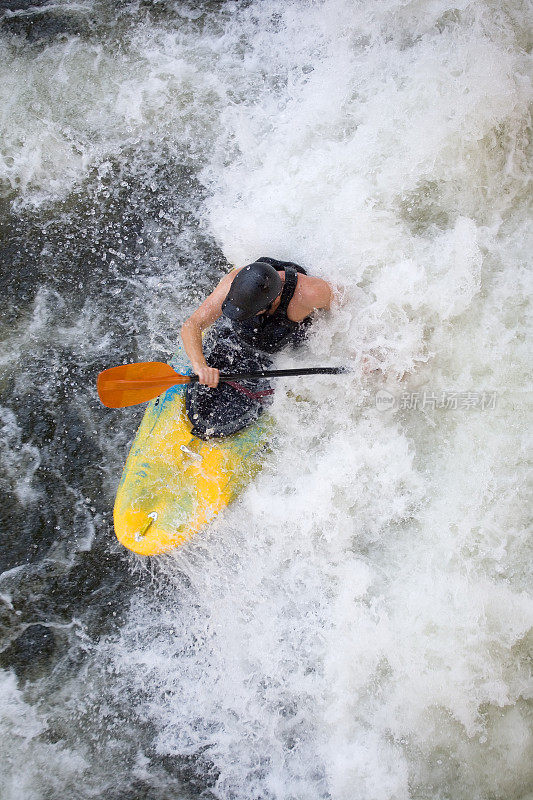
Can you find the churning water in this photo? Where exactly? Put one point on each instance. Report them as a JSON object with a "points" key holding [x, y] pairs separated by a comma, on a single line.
{"points": [[356, 626]]}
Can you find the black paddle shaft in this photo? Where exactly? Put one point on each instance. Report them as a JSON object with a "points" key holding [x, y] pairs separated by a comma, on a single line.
{"points": [[279, 373]]}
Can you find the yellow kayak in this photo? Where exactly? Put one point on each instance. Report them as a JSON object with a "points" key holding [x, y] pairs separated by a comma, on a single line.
{"points": [[174, 483]]}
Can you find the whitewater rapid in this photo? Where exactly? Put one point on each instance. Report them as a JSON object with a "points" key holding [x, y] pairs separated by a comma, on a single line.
{"points": [[358, 623]]}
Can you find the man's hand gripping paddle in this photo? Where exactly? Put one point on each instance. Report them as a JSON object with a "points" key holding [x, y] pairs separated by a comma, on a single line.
{"points": [[131, 384]]}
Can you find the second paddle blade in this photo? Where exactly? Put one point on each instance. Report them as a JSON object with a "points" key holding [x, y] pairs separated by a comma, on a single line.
{"points": [[130, 384]]}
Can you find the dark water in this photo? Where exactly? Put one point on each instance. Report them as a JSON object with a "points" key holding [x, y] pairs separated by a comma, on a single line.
{"points": [[65, 582], [73, 278]]}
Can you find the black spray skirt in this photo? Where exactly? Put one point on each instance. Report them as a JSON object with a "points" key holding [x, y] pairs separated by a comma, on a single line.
{"points": [[230, 407]]}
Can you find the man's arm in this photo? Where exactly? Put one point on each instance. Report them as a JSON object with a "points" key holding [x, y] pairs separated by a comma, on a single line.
{"points": [[202, 318]]}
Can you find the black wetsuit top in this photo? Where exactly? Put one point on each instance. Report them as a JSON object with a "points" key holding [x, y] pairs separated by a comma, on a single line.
{"points": [[245, 346]]}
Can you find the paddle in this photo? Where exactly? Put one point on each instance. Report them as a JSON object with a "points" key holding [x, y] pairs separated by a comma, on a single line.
{"points": [[130, 384]]}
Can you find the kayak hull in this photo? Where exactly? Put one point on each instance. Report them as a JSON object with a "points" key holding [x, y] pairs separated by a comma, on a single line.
{"points": [[173, 483]]}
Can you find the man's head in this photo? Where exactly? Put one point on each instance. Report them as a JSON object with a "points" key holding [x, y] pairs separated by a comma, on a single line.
{"points": [[253, 290]]}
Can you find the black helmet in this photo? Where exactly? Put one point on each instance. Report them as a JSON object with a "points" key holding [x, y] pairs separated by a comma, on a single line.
{"points": [[253, 290]]}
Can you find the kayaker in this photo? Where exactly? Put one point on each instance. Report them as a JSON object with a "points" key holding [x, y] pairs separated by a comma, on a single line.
{"points": [[253, 313]]}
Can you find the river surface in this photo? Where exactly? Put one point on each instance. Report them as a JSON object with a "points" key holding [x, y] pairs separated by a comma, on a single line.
{"points": [[357, 626]]}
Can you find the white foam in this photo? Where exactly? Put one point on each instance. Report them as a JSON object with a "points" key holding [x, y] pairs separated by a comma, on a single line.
{"points": [[52, 765], [369, 558], [20, 460]]}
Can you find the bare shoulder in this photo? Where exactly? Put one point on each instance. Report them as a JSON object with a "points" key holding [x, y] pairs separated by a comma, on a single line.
{"points": [[222, 288], [229, 277], [314, 292], [211, 308]]}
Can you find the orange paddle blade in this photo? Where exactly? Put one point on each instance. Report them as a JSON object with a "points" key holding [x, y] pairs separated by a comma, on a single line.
{"points": [[131, 384]]}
